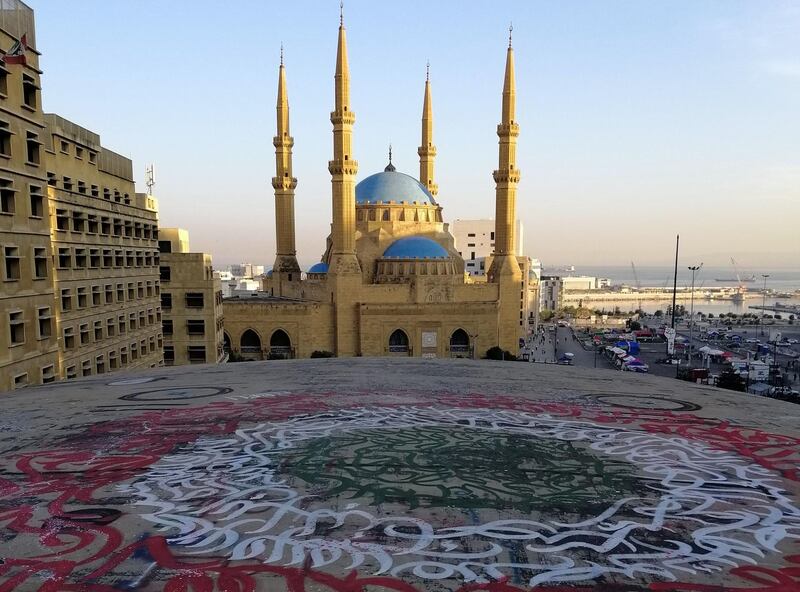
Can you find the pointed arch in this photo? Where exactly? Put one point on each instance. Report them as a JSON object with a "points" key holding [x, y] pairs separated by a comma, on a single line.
{"points": [[398, 342], [459, 343], [280, 345]]}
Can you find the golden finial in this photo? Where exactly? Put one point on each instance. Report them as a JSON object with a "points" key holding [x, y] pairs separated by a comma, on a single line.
{"points": [[341, 13], [281, 54], [510, 30], [428, 71]]}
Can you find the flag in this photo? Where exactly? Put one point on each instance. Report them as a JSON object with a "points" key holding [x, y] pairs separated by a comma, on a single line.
{"points": [[16, 55]]}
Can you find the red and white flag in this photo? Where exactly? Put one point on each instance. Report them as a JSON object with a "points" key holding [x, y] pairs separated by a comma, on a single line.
{"points": [[16, 55]]}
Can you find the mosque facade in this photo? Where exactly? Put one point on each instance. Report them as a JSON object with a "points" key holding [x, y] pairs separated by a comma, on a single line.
{"points": [[390, 281]]}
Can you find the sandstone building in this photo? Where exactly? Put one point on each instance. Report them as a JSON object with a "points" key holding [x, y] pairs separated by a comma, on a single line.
{"points": [[191, 302], [390, 281]]}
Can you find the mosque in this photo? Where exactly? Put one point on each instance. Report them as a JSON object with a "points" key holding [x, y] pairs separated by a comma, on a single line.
{"points": [[390, 281]]}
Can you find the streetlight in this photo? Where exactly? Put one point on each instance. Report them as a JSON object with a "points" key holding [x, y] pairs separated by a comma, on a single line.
{"points": [[763, 301], [693, 269]]}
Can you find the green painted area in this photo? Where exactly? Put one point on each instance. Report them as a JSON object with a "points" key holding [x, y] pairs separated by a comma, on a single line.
{"points": [[461, 468]]}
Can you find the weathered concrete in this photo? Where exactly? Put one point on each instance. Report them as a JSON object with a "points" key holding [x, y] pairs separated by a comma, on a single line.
{"points": [[402, 475]]}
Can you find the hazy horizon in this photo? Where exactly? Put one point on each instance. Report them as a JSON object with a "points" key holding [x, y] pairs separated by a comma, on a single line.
{"points": [[638, 120]]}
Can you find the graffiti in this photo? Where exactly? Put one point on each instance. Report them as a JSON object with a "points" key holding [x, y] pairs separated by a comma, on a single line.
{"points": [[372, 491], [275, 493], [644, 402], [172, 393]]}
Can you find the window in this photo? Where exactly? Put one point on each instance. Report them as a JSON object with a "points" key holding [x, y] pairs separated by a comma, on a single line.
{"points": [[94, 258], [78, 222], [107, 258], [197, 354], [91, 222], [117, 227], [194, 300], [150, 316], [149, 289], [165, 246], [169, 355], [12, 268], [491, 235], [68, 183], [105, 225], [472, 255], [64, 258], [131, 293], [132, 321], [79, 152], [129, 261], [137, 230], [121, 324], [120, 293], [21, 380], [86, 368], [3, 81], [106, 193], [37, 201], [39, 263], [82, 187], [48, 374], [109, 290], [134, 351], [98, 330], [128, 228], [164, 273], [140, 289], [111, 326], [33, 146], [92, 157], [113, 364], [5, 139], [7, 197], [71, 372], [16, 325], [142, 319], [166, 325], [471, 235], [84, 331], [52, 180], [29, 92], [66, 299], [123, 356], [45, 322], [139, 259], [62, 219], [95, 191], [97, 296], [196, 327], [80, 258], [82, 297], [119, 259]]}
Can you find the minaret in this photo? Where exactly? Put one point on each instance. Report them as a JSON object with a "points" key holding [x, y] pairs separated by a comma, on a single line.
{"points": [[344, 271], [505, 269], [343, 168], [285, 267], [427, 151]]}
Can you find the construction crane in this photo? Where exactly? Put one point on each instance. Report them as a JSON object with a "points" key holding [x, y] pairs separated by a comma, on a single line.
{"points": [[638, 286]]}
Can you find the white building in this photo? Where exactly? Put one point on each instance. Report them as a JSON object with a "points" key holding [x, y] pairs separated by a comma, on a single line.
{"points": [[246, 270], [474, 240], [551, 292]]}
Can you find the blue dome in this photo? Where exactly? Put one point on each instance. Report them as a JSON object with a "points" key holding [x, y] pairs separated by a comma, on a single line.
{"points": [[319, 268], [415, 247], [392, 186], [269, 273]]}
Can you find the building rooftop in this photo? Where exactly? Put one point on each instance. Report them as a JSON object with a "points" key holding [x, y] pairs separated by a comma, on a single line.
{"points": [[397, 474]]}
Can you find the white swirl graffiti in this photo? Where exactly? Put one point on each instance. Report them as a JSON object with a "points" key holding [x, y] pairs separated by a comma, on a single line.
{"points": [[704, 510]]}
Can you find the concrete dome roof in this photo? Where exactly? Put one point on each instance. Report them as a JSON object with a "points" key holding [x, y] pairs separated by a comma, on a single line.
{"points": [[415, 247], [389, 186]]}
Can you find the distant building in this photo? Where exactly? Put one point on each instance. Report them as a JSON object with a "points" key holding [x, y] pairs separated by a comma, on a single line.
{"points": [[551, 292], [246, 270], [191, 302], [474, 240]]}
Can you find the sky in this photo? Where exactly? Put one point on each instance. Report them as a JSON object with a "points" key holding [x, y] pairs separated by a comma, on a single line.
{"points": [[639, 120]]}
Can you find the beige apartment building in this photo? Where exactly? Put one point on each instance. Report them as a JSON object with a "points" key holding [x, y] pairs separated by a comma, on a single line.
{"points": [[105, 253], [28, 338], [191, 301]]}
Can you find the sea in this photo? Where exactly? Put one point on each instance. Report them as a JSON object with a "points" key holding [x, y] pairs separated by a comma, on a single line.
{"points": [[779, 280]]}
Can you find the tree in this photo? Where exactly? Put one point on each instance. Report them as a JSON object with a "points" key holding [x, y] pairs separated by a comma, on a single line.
{"points": [[497, 353], [635, 325], [583, 313], [659, 313], [322, 354], [546, 314]]}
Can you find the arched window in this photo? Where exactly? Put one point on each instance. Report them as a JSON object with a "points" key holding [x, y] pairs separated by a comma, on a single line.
{"points": [[459, 343], [386, 214], [280, 346], [250, 341], [398, 342]]}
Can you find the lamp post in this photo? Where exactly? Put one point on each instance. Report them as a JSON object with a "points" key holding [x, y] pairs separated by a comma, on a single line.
{"points": [[763, 301], [694, 269]]}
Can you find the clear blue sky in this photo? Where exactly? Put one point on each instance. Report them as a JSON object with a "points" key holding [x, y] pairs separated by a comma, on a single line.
{"points": [[638, 119]]}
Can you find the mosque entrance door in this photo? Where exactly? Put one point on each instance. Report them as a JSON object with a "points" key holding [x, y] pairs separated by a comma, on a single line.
{"points": [[459, 344], [398, 343]]}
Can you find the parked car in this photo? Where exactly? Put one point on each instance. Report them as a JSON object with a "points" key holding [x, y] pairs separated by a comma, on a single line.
{"points": [[566, 359]]}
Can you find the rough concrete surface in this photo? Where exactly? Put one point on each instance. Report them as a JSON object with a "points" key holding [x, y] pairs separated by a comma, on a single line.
{"points": [[396, 475]]}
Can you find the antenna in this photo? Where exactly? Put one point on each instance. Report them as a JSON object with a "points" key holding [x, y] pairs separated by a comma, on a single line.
{"points": [[150, 175]]}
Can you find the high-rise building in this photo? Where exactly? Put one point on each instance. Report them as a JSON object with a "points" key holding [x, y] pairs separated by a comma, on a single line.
{"points": [[28, 338], [475, 243], [191, 302], [105, 250]]}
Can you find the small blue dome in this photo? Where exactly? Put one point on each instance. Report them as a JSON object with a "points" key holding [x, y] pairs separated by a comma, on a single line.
{"points": [[319, 268], [415, 247], [392, 186], [269, 273]]}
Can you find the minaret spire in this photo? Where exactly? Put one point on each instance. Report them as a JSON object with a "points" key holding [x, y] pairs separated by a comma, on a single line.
{"points": [[343, 168], [427, 151], [286, 267]]}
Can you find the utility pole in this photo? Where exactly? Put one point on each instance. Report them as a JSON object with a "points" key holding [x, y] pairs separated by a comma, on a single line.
{"points": [[694, 269], [763, 301]]}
